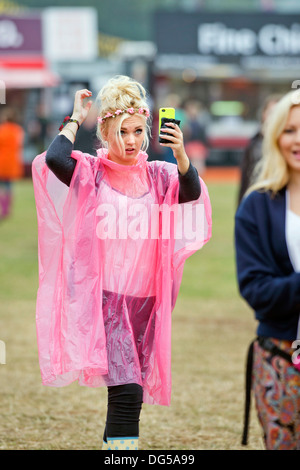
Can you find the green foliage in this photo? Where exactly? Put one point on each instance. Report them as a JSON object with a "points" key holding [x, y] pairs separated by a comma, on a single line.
{"points": [[211, 271], [18, 246]]}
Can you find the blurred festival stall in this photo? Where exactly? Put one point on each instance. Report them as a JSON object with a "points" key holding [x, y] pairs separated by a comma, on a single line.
{"points": [[229, 62], [43, 63], [24, 69], [223, 58]]}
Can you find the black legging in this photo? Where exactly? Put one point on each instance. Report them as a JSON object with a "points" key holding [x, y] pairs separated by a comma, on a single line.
{"points": [[123, 411]]}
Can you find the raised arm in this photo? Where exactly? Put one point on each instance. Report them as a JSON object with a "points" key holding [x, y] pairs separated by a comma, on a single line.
{"points": [[58, 156], [189, 183]]}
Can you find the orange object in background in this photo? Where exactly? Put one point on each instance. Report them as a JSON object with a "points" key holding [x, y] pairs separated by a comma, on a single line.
{"points": [[11, 151], [230, 174]]}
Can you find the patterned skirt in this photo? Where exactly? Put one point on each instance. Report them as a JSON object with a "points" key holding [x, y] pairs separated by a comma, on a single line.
{"points": [[276, 386]]}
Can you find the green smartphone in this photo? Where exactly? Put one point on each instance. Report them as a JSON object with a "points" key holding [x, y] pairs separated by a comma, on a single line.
{"points": [[168, 113]]}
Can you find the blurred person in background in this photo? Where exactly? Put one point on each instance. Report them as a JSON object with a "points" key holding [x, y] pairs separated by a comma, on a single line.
{"points": [[267, 243], [38, 129], [11, 158], [104, 313], [195, 135], [253, 150]]}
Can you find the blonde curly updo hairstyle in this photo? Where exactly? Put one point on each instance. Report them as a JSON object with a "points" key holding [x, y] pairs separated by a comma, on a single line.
{"points": [[121, 93]]}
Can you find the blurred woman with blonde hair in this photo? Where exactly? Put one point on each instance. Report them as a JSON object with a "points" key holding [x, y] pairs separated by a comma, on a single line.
{"points": [[267, 242]]}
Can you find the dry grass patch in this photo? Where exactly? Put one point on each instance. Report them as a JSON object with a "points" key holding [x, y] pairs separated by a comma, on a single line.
{"points": [[212, 328]]}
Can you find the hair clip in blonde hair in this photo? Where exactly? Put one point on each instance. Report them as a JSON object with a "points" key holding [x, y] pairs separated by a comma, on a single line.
{"points": [[121, 111]]}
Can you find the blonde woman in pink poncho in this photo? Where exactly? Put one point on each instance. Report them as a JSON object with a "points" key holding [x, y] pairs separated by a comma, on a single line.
{"points": [[114, 233]]}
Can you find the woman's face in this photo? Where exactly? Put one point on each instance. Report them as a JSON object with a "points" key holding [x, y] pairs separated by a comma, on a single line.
{"points": [[289, 140], [132, 135]]}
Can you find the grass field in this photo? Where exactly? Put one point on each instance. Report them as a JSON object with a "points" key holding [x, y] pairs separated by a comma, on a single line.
{"points": [[212, 328]]}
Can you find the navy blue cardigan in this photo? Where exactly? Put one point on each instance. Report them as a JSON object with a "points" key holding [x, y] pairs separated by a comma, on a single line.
{"points": [[266, 277]]}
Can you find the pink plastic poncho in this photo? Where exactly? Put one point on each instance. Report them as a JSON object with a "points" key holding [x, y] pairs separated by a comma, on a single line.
{"points": [[112, 248]]}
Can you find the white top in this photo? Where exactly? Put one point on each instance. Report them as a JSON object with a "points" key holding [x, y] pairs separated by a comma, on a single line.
{"points": [[292, 233]]}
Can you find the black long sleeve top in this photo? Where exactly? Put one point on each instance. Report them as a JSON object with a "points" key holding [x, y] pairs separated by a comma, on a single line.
{"points": [[60, 162]]}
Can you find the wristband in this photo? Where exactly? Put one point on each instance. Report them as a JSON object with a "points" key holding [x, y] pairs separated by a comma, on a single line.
{"points": [[66, 121]]}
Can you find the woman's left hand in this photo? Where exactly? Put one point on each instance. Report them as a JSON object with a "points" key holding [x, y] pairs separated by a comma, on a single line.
{"points": [[177, 145]]}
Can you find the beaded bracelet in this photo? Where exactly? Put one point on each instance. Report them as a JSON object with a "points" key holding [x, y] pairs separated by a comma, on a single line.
{"points": [[66, 121]]}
